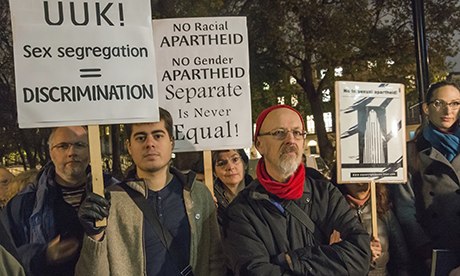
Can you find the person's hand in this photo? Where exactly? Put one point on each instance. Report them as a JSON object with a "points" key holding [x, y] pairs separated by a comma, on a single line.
{"points": [[215, 200], [59, 251], [93, 208], [376, 249], [298, 260], [455, 272], [335, 237]]}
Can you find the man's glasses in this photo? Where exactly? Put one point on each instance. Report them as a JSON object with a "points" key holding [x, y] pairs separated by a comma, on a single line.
{"points": [[234, 160], [281, 134], [438, 104], [4, 182], [66, 146]]}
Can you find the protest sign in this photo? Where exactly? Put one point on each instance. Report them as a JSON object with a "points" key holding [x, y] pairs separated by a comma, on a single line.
{"points": [[203, 80], [82, 63], [370, 129]]}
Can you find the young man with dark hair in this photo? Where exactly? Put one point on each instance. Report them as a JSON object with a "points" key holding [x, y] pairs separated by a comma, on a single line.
{"points": [[161, 222]]}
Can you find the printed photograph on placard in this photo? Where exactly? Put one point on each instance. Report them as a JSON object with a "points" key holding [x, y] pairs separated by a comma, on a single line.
{"points": [[370, 132]]}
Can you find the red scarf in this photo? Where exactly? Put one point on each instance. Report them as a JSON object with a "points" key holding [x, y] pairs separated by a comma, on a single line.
{"points": [[293, 189]]}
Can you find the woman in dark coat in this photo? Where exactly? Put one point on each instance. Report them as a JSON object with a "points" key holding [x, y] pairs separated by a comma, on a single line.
{"points": [[429, 208], [229, 168]]}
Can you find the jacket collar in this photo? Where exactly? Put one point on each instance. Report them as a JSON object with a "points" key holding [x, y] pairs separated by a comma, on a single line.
{"points": [[258, 192], [186, 179]]}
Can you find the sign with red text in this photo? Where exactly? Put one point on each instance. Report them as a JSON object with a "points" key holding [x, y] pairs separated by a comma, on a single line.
{"points": [[83, 62], [203, 80]]}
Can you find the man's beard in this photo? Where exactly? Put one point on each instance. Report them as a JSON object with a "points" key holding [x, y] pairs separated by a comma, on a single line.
{"points": [[76, 172], [288, 163]]}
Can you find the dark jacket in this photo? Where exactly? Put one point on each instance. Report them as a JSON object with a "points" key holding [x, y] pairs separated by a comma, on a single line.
{"points": [[30, 219], [257, 234], [222, 201], [429, 207], [394, 259]]}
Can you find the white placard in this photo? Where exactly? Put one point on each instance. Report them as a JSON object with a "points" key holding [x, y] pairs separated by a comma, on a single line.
{"points": [[203, 80], [81, 63], [370, 128]]}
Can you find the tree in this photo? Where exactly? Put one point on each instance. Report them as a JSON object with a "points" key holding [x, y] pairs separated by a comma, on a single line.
{"points": [[185, 8], [27, 145], [371, 40], [368, 40]]}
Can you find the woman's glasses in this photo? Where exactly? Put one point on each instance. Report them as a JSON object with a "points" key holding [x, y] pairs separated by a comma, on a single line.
{"points": [[438, 104]]}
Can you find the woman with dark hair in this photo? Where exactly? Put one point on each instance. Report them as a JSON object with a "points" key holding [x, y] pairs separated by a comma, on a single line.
{"points": [[389, 251], [429, 208], [230, 171]]}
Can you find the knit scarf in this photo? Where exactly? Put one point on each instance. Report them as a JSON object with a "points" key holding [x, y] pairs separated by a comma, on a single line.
{"points": [[446, 143], [293, 189]]}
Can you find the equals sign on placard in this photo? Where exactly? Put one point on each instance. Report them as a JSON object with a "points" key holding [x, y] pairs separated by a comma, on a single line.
{"points": [[90, 73]]}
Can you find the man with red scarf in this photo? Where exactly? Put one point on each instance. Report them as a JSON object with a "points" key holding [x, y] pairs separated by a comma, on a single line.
{"points": [[281, 223]]}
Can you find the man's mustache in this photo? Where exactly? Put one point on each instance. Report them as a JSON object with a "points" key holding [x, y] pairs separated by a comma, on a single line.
{"points": [[289, 148]]}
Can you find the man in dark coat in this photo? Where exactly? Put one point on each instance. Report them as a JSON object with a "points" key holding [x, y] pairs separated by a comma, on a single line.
{"points": [[42, 219], [266, 229]]}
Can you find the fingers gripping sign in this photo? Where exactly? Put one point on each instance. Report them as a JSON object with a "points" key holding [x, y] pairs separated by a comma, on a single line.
{"points": [[94, 208]]}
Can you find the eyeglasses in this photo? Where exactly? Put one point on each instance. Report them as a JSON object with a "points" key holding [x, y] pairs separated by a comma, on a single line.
{"points": [[4, 182], [63, 147], [281, 134], [234, 160], [438, 104]]}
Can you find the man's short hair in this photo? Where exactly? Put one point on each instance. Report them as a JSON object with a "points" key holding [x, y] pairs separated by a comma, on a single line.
{"points": [[164, 115], [50, 138], [53, 131]]}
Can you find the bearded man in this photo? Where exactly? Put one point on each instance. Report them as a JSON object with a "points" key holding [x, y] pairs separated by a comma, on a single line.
{"points": [[282, 222], [42, 219]]}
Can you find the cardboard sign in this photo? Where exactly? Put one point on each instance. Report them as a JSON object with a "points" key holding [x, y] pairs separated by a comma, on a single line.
{"points": [[370, 130], [80, 63], [203, 80]]}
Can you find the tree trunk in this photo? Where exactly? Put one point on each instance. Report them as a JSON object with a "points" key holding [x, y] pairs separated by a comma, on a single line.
{"points": [[21, 155], [31, 161], [325, 146], [315, 99], [116, 166]]}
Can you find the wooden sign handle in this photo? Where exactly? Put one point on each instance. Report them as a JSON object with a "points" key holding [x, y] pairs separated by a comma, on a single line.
{"points": [[375, 232], [96, 165], [208, 179]]}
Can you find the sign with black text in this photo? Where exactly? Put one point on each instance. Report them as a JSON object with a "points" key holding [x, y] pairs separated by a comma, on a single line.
{"points": [[203, 80], [83, 62], [370, 128]]}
